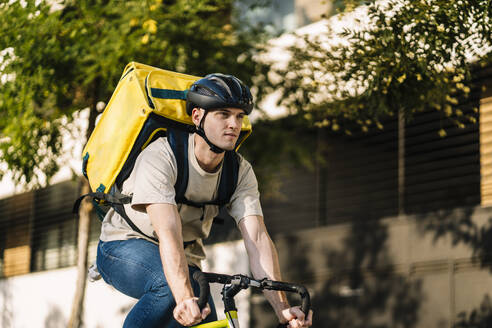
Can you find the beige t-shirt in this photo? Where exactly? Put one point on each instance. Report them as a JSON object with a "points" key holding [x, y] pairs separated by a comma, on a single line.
{"points": [[152, 181]]}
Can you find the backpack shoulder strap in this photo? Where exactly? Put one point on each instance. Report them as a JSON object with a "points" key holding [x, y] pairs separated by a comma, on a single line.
{"points": [[178, 140], [228, 178]]}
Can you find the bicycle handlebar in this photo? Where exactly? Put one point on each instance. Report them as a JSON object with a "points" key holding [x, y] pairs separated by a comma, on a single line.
{"points": [[204, 288], [244, 282]]}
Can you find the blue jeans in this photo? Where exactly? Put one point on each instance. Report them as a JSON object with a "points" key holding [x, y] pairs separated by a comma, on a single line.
{"points": [[134, 268]]}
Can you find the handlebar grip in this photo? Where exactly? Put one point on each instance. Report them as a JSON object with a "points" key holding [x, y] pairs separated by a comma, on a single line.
{"points": [[306, 299], [301, 290], [204, 288], [218, 278]]}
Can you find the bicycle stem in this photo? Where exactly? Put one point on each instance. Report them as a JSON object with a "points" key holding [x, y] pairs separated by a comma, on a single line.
{"points": [[238, 283]]}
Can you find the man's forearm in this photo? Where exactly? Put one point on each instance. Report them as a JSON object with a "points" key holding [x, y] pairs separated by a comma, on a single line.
{"points": [[175, 267], [263, 257], [266, 264], [167, 225]]}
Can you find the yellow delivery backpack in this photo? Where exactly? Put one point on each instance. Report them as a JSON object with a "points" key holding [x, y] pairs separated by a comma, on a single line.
{"points": [[147, 103]]}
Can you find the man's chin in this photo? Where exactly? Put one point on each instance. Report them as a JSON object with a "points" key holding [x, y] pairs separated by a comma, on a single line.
{"points": [[227, 146]]}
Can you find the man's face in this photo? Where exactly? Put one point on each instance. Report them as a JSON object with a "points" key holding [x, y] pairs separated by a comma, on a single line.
{"points": [[222, 126]]}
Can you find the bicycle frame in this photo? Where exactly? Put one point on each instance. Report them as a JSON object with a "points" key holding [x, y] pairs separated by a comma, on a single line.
{"points": [[230, 322]]}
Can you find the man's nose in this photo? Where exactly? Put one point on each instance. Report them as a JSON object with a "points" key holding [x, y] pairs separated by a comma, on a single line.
{"points": [[234, 122]]}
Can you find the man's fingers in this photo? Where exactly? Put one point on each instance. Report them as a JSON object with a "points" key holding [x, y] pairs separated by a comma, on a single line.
{"points": [[182, 321], [287, 314], [297, 313], [187, 313], [309, 320], [300, 320], [195, 310], [206, 311], [294, 323], [296, 318]]}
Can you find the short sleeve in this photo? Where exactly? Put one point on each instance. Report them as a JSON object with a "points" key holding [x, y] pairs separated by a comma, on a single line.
{"points": [[246, 198], [154, 176]]}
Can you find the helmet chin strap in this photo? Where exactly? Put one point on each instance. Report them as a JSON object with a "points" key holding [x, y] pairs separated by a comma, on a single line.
{"points": [[201, 132]]}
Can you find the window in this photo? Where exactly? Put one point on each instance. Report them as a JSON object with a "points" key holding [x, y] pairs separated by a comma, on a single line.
{"points": [[486, 151], [54, 237], [15, 226], [39, 232]]}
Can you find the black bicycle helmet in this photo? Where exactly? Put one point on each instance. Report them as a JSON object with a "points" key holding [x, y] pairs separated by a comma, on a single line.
{"points": [[219, 91]]}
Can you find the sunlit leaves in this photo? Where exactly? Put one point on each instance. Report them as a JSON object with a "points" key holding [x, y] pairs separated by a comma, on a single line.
{"points": [[411, 56]]}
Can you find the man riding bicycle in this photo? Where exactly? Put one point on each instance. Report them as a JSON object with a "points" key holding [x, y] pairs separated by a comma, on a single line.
{"points": [[158, 273]]}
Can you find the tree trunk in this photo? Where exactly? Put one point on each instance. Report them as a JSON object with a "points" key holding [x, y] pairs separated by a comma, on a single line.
{"points": [[83, 242], [75, 320]]}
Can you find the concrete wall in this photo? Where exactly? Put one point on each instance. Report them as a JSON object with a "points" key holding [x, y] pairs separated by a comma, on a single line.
{"points": [[412, 271], [44, 300]]}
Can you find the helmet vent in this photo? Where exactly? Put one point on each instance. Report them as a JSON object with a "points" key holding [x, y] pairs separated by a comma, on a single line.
{"points": [[204, 91]]}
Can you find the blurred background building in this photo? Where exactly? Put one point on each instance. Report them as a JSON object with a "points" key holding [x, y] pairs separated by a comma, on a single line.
{"points": [[390, 230]]}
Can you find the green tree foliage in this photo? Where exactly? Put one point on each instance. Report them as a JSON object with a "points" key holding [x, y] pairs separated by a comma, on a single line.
{"points": [[59, 59], [409, 55], [341, 6]]}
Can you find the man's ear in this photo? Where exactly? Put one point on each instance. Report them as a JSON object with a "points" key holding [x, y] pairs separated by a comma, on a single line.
{"points": [[196, 115]]}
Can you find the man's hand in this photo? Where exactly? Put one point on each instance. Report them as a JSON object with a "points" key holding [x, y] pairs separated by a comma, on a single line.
{"points": [[296, 318], [187, 312]]}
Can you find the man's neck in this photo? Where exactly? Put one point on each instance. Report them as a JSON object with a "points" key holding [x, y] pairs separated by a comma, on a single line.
{"points": [[207, 159]]}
